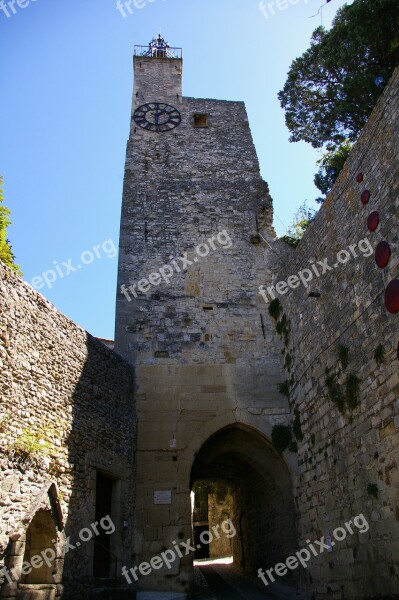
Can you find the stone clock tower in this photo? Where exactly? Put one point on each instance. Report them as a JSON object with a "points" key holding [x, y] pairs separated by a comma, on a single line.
{"points": [[194, 248]]}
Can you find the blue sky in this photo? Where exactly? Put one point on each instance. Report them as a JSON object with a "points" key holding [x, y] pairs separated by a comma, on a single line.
{"points": [[67, 83]]}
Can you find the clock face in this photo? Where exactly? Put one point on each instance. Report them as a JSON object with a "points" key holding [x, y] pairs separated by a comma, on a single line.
{"points": [[157, 116]]}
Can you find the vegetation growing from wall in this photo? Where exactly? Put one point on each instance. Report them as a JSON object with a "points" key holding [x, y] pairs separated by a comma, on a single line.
{"points": [[296, 426], [352, 391], [302, 219], [343, 355], [282, 435], [281, 438], [343, 392], [372, 490], [379, 354], [34, 446], [284, 389], [275, 308]]}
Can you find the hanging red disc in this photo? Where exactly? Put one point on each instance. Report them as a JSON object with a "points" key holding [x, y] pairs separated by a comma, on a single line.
{"points": [[392, 296], [365, 197], [382, 254], [359, 177], [373, 221]]}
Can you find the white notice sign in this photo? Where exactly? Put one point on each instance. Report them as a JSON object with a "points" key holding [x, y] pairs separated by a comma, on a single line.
{"points": [[163, 497]]}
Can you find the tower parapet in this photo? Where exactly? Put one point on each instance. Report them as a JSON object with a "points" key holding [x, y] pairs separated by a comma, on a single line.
{"points": [[158, 48]]}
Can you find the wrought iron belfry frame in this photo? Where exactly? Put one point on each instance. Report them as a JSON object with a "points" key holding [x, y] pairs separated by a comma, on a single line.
{"points": [[158, 48]]}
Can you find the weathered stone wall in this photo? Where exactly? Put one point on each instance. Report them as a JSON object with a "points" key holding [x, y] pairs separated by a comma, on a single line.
{"points": [[346, 459], [205, 352], [220, 508], [67, 412]]}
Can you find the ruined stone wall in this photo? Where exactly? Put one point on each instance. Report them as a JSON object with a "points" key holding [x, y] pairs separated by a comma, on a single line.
{"points": [[66, 412], [349, 455]]}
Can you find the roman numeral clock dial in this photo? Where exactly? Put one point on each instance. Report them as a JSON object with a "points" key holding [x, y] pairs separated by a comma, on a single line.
{"points": [[157, 116]]}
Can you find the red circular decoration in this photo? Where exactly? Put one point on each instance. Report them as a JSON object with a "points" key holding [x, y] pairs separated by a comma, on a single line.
{"points": [[382, 254], [365, 197], [392, 296], [373, 221], [359, 177]]}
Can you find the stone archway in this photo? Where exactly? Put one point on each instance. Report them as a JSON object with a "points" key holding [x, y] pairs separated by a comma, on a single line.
{"points": [[263, 502], [40, 538], [35, 555]]}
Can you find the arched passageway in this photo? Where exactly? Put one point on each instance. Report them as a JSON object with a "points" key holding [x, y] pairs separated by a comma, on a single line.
{"points": [[241, 470]]}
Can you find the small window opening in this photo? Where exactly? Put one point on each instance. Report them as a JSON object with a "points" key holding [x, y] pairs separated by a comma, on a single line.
{"points": [[200, 120]]}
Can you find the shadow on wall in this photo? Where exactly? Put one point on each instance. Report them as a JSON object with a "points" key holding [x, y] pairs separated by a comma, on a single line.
{"points": [[75, 481], [101, 448]]}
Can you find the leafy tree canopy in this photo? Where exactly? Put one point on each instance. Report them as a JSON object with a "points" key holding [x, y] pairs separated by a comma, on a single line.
{"points": [[330, 90], [6, 254]]}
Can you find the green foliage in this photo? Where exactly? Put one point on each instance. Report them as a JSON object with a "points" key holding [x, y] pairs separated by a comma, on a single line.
{"points": [[343, 355], [290, 241], [35, 443], [379, 354], [332, 159], [6, 254], [343, 396], [302, 219], [296, 426], [372, 490], [330, 91], [279, 327], [293, 447], [281, 437], [352, 392], [284, 389], [335, 392], [34, 446], [275, 308], [288, 361], [283, 329]]}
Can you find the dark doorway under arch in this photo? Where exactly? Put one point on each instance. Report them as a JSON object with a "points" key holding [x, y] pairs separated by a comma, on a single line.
{"points": [[263, 508]]}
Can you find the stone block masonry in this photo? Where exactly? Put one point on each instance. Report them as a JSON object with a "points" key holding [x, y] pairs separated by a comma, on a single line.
{"points": [[349, 458], [205, 353], [67, 423]]}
